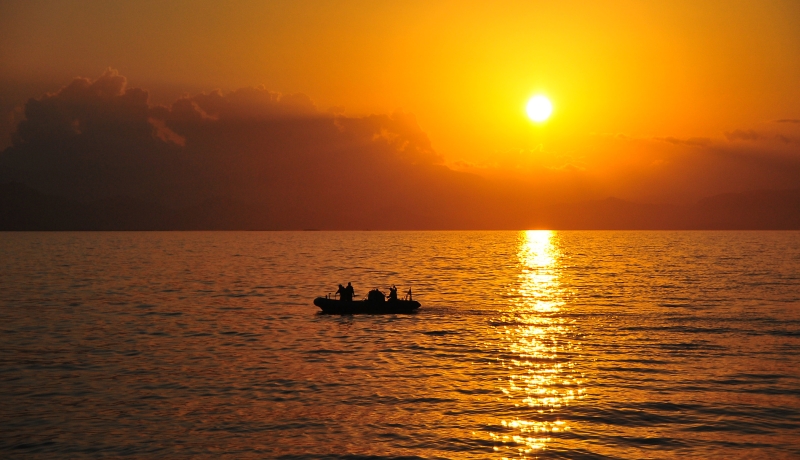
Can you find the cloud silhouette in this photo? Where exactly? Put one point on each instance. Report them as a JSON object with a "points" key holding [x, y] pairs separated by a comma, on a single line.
{"points": [[97, 139], [89, 140], [255, 158], [743, 135], [694, 141]]}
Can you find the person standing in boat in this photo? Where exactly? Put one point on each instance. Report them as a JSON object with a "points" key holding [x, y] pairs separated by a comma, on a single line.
{"points": [[351, 292], [342, 291], [393, 293]]}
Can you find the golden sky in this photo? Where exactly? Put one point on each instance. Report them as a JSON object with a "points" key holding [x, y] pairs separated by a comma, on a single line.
{"points": [[630, 81]]}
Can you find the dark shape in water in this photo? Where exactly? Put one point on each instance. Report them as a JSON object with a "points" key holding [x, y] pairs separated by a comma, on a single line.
{"points": [[374, 304]]}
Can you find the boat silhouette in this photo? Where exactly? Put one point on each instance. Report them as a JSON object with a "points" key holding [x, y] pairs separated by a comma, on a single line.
{"points": [[375, 304]]}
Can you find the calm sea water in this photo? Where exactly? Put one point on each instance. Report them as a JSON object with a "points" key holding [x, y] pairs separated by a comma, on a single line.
{"points": [[528, 345]]}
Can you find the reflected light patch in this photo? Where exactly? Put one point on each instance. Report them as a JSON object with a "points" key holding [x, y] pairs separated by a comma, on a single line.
{"points": [[541, 376], [537, 256], [537, 250]]}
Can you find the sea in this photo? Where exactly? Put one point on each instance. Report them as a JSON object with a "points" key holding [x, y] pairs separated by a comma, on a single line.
{"points": [[528, 344]]}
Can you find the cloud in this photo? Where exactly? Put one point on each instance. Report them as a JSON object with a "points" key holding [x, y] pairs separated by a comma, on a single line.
{"points": [[254, 104], [98, 139], [743, 135], [693, 141], [673, 169], [277, 161], [788, 120], [767, 134], [89, 139]]}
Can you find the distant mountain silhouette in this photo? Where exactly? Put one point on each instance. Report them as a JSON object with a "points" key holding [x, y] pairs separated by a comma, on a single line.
{"points": [[756, 210], [762, 209], [610, 214], [23, 208]]}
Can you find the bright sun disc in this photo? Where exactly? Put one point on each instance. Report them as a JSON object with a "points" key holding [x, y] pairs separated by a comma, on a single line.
{"points": [[539, 108]]}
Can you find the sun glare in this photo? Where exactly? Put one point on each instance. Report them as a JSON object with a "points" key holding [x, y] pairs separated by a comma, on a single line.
{"points": [[539, 108]]}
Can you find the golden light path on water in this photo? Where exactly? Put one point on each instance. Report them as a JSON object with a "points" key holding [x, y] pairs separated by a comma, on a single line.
{"points": [[541, 375]]}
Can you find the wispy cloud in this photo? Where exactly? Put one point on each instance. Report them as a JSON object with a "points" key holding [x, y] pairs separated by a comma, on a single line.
{"points": [[692, 141], [743, 135]]}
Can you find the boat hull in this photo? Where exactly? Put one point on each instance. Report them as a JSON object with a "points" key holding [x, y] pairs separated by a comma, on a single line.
{"points": [[365, 307]]}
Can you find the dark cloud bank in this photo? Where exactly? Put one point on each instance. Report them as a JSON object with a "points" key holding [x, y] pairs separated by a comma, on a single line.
{"points": [[96, 155]]}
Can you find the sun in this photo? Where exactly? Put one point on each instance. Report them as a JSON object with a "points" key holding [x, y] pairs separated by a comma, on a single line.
{"points": [[539, 108]]}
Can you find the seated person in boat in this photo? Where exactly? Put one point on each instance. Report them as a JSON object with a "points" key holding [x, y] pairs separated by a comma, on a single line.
{"points": [[376, 295]]}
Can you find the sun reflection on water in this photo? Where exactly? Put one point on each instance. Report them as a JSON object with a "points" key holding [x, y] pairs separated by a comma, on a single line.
{"points": [[541, 377]]}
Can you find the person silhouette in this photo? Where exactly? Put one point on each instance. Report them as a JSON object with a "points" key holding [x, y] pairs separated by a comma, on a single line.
{"points": [[350, 291], [393, 293], [342, 291]]}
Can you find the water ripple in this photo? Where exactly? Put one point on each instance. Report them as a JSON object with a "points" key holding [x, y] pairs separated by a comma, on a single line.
{"points": [[529, 345]]}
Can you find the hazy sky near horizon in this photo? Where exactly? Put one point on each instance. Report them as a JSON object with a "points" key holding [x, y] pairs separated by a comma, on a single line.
{"points": [[643, 91]]}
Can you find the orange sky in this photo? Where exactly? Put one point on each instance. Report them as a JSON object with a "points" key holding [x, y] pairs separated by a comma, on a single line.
{"points": [[632, 82]]}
